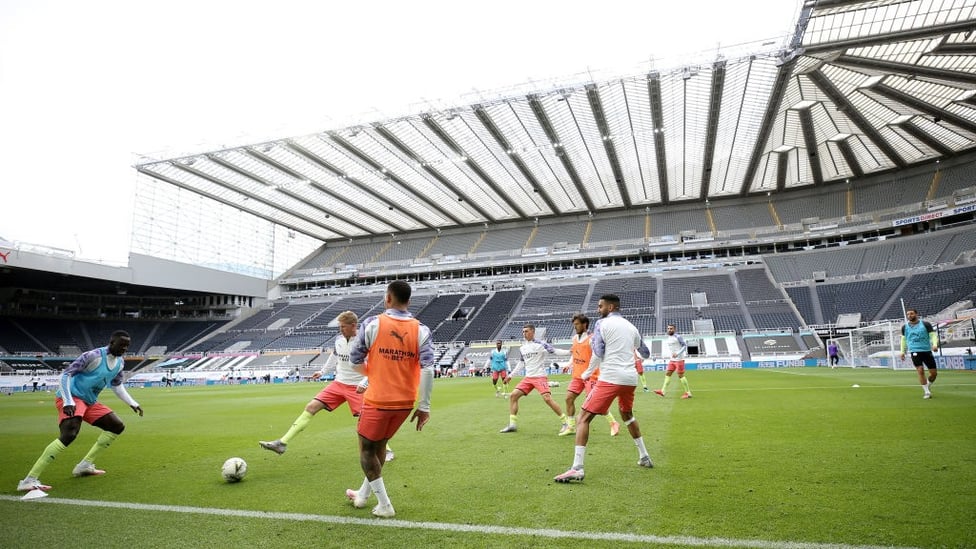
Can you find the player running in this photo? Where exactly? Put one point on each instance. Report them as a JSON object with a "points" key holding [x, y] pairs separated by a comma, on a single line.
{"points": [[920, 339], [498, 363]]}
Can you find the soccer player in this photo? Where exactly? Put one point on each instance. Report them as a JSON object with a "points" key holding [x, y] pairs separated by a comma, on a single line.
{"points": [[832, 353], [533, 356], [639, 366], [394, 350], [582, 353], [77, 400], [498, 363], [920, 339], [614, 342], [676, 347], [348, 386]]}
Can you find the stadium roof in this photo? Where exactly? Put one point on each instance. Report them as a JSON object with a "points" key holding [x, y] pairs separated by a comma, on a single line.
{"points": [[865, 86]]}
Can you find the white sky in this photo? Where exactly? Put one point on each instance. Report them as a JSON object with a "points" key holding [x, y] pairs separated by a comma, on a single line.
{"points": [[85, 86]]}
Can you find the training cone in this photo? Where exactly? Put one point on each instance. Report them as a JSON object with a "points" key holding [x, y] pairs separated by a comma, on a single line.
{"points": [[855, 386], [35, 494]]}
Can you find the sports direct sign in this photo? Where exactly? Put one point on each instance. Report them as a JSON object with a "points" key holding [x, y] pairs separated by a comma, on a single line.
{"points": [[934, 215]]}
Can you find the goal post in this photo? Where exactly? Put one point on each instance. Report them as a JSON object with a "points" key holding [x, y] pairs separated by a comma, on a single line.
{"points": [[877, 346]]}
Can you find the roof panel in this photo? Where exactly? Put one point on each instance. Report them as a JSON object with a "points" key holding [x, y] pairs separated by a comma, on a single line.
{"points": [[643, 136], [622, 115], [470, 134], [538, 153], [882, 77]]}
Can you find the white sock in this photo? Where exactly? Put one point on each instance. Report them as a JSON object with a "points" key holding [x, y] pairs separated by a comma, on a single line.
{"points": [[380, 490], [639, 441], [578, 454], [365, 490]]}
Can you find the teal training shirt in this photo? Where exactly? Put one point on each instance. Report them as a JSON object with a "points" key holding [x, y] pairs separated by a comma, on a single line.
{"points": [[917, 336]]}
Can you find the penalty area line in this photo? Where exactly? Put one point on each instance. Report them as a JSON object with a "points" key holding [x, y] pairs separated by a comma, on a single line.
{"points": [[450, 527]]}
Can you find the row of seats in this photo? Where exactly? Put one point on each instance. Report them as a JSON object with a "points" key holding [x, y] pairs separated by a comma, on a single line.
{"points": [[485, 316], [831, 203]]}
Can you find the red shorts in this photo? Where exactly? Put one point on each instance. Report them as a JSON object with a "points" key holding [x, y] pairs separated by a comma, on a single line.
{"points": [[540, 384], [678, 365], [495, 374], [335, 393], [577, 385], [89, 413], [380, 424], [598, 400]]}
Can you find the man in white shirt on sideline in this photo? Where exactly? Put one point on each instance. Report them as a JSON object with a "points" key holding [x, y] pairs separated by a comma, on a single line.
{"points": [[676, 347], [614, 342]]}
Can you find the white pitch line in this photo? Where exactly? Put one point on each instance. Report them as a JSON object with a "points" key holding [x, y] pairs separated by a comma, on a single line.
{"points": [[447, 526]]}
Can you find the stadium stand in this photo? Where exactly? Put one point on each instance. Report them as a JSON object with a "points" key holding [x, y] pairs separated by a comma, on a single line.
{"points": [[503, 239], [547, 300], [548, 234], [717, 289], [453, 245], [803, 298], [867, 297], [755, 285], [931, 292], [774, 316], [616, 229], [439, 310], [637, 294], [745, 216], [492, 316]]}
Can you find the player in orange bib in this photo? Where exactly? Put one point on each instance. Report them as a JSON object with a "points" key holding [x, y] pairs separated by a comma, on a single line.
{"points": [[394, 351], [582, 353], [347, 387]]}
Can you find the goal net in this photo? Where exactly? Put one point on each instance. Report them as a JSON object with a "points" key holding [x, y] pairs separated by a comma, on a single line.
{"points": [[877, 346], [958, 330]]}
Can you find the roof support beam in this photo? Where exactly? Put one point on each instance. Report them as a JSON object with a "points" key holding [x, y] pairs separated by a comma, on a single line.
{"points": [[245, 173], [543, 118], [936, 113], [216, 159], [954, 48], [403, 148], [327, 166], [261, 157], [255, 197], [918, 133], [782, 168], [478, 170], [711, 126], [839, 99], [848, 153], [906, 69], [596, 105], [887, 38], [810, 142], [495, 132], [365, 158], [769, 118], [237, 205], [657, 122]]}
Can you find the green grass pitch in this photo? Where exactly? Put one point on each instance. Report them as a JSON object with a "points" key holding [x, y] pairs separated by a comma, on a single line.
{"points": [[793, 457]]}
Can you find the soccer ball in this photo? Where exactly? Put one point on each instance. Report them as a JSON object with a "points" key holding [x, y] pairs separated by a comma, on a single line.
{"points": [[234, 470]]}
